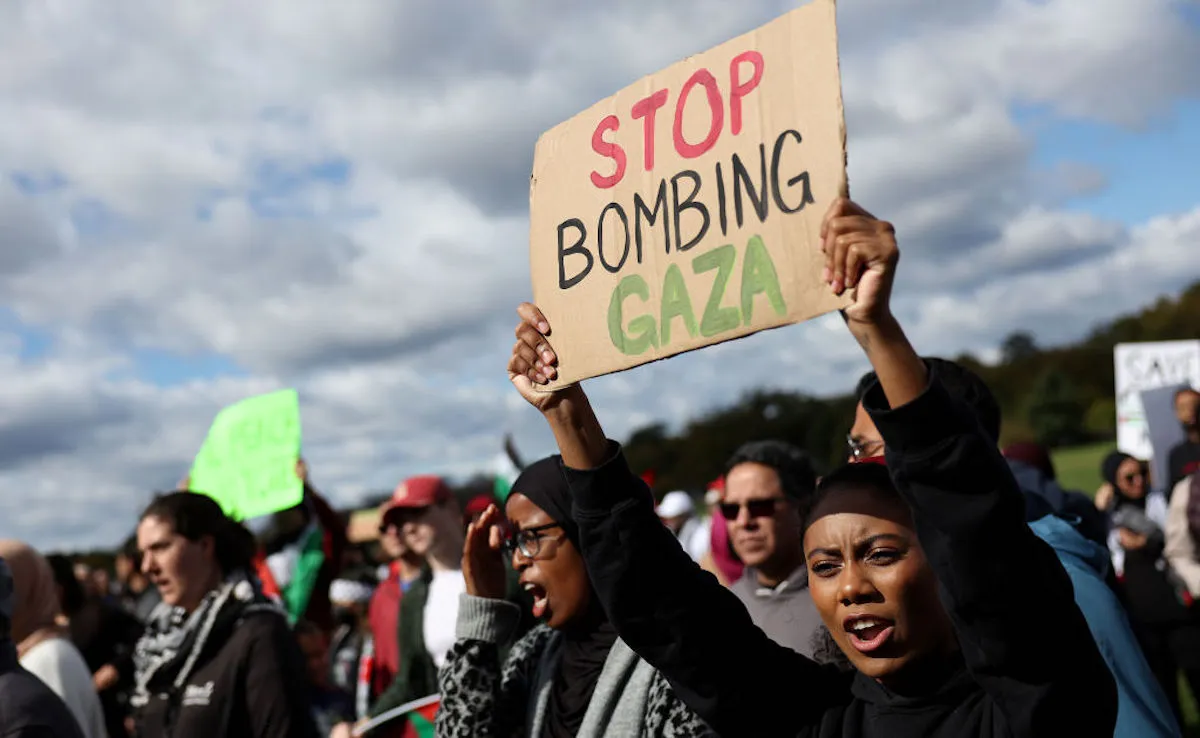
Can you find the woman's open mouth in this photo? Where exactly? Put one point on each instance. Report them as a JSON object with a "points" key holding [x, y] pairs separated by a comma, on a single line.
{"points": [[540, 600], [868, 633]]}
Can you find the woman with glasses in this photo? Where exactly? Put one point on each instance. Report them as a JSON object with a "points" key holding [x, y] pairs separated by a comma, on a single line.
{"points": [[570, 676], [1158, 600], [958, 621]]}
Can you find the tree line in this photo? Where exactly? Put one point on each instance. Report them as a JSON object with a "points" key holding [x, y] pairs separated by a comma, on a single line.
{"points": [[1059, 396]]}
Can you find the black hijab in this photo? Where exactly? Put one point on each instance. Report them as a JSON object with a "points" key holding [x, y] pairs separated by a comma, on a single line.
{"points": [[585, 644], [1108, 470]]}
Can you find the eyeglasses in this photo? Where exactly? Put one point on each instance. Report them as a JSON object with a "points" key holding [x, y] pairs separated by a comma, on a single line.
{"points": [[756, 508], [860, 449], [528, 540]]}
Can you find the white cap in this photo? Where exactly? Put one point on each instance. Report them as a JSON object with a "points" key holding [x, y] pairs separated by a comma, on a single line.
{"points": [[675, 504], [348, 590]]}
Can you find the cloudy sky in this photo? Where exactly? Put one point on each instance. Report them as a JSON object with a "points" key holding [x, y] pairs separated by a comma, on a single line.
{"points": [[203, 200]]}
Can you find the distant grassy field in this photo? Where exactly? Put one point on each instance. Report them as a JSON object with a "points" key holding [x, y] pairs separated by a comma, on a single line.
{"points": [[1079, 467]]}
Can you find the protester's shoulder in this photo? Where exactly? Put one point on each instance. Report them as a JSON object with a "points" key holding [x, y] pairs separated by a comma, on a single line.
{"points": [[58, 655], [30, 710], [265, 624]]}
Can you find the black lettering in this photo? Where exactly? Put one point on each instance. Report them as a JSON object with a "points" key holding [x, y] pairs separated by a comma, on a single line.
{"points": [[600, 237], [721, 213], [689, 203], [741, 177], [807, 196], [639, 207], [576, 248]]}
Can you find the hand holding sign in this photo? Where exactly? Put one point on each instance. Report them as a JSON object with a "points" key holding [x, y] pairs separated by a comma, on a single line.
{"points": [[860, 253], [685, 210]]}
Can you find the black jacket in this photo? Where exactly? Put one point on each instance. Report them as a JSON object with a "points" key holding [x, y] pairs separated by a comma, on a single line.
{"points": [[254, 685], [1029, 664], [28, 709]]}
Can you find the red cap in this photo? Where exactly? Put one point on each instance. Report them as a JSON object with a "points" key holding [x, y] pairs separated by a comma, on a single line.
{"points": [[416, 492], [478, 504]]}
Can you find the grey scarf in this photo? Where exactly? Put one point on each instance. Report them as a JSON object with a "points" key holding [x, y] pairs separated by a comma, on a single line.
{"points": [[174, 640]]}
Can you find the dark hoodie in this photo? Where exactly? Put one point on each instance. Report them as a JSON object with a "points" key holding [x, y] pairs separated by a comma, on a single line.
{"points": [[1029, 666]]}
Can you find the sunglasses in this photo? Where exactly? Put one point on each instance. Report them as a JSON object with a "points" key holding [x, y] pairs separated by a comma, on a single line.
{"points": [[756, 508]]}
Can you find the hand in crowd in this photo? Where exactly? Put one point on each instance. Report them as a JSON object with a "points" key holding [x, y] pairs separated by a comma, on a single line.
{"points": [[483, 565], [1129, 540], [105, 677], [1104, 496]]}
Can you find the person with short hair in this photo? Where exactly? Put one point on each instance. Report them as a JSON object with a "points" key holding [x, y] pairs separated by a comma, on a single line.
{"points": [[768, 488], [217, 657], [1183, 459]]}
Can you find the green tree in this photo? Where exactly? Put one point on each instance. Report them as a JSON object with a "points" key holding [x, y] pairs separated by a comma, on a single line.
{"points": [[1017, 347], [1056, 410]]}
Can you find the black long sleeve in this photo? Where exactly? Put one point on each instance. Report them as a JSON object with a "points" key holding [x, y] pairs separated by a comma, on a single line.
{"points": [[1023, 638], [678, 618]]}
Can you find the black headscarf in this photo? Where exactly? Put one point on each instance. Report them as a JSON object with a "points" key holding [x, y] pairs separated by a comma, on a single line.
{"points": [[1108, 470], [586, 644]]}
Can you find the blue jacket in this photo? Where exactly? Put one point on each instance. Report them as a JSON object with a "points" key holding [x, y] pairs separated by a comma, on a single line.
{"points": [[1142, 708]]}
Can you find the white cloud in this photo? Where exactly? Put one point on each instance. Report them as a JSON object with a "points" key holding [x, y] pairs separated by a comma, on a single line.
{"points": [[386, 298]]}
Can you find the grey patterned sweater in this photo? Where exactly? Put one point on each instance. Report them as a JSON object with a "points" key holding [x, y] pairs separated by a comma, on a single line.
{"points": [[483, 699]]}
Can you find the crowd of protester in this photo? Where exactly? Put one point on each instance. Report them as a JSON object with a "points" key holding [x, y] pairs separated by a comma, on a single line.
{"points": [[935, 584]]}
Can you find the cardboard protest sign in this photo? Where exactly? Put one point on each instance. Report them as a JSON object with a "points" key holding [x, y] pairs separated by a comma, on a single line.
{"points": [[248, 461], [685, 210], [1145, 366]]}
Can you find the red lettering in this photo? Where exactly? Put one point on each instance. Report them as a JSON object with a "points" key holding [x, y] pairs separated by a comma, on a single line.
{"points": [[611, 150], [646, 108], [738, 90], [716, 110]]}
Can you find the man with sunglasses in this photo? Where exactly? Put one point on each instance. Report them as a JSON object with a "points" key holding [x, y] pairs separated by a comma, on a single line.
{"points": [[768, 487]]}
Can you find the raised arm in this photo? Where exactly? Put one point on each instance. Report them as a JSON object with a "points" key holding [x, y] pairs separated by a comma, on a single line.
{"points": [[672, 613], [1023, 638]]}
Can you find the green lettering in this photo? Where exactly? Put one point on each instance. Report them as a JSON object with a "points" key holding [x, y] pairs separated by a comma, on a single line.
{"points": [[642, 333], [758, 275], [717, 319], [675, 304]]}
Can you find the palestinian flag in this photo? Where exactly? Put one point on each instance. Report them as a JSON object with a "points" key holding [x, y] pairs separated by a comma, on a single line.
{"points": [[506, 467], [421, 720]]}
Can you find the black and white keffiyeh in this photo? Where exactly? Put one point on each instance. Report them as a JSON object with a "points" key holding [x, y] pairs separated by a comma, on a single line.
{"points": [[174, 640]]}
